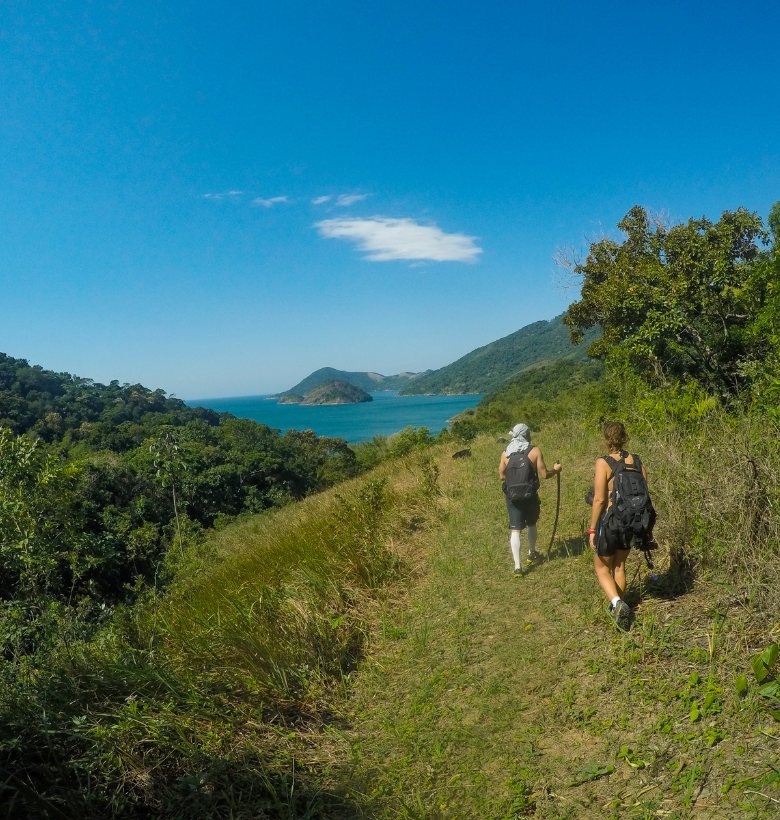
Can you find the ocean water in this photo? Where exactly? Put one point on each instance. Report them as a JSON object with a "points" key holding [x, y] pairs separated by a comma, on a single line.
{"points": [[386, 414]]}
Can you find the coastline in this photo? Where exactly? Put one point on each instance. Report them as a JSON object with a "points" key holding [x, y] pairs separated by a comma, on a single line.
{"points": [[353, 422]]}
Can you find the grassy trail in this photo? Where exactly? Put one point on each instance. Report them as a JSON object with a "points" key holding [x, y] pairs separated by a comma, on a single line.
{"points": [[487, 696]]}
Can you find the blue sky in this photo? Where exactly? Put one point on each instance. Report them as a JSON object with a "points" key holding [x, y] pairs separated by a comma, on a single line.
{"points": [[459, 144]]}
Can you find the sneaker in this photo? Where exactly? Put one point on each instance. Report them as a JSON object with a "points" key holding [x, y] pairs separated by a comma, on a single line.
{"points": [[621, 612], [518, 573], [533, 557]]}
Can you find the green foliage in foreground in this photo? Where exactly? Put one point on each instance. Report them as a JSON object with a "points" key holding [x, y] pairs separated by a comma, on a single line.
{"points": [[82, 532], [186, 708], [44, 555], [370, 454]]}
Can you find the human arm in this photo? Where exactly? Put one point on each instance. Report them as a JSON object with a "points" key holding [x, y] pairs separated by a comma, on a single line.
{"points": [[600, 482], [541, 468], [502, 466]]}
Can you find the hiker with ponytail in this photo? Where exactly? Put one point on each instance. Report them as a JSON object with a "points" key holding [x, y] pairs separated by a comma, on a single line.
{"points": [[622, 516]]}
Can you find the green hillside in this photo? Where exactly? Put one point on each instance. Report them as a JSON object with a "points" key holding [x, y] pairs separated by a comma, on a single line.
{"points": [[490, 367], [365, 380]]}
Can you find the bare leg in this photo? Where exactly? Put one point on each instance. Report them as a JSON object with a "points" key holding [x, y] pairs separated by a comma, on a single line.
{"points": [[603, 567], [619, 571]]}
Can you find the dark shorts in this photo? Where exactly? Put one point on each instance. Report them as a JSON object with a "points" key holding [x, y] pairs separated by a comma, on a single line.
{"points": [[523, 514], [609, 541]]}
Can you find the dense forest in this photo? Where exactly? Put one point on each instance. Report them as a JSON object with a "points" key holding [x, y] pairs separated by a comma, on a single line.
{"points": [[106, 489]]}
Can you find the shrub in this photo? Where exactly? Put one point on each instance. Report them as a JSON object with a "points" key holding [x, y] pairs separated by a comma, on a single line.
{"points": [[717, 490]]}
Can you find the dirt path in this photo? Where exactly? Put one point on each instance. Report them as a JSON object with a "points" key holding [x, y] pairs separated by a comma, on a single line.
{"points": [[489, 696]]}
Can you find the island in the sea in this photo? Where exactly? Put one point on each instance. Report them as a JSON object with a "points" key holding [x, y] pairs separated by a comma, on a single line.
{"points": [[365, 380], [333, 391]]}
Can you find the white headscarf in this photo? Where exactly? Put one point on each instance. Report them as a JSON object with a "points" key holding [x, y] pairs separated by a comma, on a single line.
{"points": [[519, 442]]}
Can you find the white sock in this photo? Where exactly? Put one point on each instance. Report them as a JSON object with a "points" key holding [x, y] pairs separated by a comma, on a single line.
{"points": [[532, 540], [514, 543], [615, 600]]}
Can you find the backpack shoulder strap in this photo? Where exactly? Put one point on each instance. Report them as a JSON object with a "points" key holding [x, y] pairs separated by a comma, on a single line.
{"points": [[613, 465], [518, 456], [637, 462]]}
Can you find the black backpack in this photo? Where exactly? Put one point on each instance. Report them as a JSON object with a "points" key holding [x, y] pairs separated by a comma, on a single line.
{"points": [[522, 482], [631, 512]]}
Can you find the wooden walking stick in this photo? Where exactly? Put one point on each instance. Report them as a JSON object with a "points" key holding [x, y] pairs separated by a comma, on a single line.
{"points": [[557, 511]]}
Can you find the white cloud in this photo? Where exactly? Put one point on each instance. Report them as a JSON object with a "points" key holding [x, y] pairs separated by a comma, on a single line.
{"points": [[269, 203], [348, 199], [384, 239], [320, 199], [222, 195]]}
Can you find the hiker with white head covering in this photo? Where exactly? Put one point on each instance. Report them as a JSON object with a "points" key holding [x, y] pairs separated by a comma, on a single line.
{"points": [[520, 468], [519, 442]]}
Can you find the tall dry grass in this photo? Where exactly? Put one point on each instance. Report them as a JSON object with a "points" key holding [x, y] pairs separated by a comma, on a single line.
{"points": [[717, 492]]}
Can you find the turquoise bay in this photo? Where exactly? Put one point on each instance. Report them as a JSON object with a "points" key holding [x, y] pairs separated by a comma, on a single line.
{"points": [[386, 414]]}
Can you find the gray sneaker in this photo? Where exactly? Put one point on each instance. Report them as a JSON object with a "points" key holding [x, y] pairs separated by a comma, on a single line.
{"points": [[622, 615], [518, 573]]}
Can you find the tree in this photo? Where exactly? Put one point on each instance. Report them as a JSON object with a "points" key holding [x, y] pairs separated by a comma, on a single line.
{"points": [[170, 465], [678, 303], [43, 550], [38, 519]]}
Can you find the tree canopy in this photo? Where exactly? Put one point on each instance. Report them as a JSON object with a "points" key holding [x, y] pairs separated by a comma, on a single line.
{"points": [[689, 302]]}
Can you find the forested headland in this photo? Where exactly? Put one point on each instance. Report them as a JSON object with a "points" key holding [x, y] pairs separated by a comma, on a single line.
{"points": [[494, 365], [203, 617]]}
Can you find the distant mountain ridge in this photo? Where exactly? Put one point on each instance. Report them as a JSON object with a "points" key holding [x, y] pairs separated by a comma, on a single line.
{"points": [[496, 364], [365, 380], [484, 370]]}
